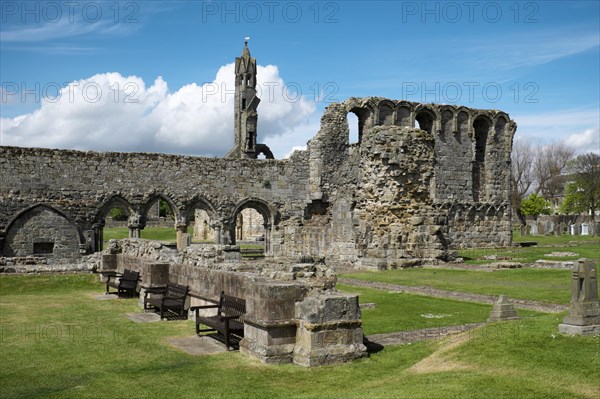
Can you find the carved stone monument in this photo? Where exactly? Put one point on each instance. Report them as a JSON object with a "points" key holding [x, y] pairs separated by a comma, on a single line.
{"points": [[502, 310], [584, 313]]}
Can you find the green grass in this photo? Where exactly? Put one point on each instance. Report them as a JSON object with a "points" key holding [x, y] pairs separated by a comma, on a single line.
{"points": [[115, 233], [60, 342], [150, 233], [582, 246], [530, 254], [547, 285], [396, 311], [556, 240]]}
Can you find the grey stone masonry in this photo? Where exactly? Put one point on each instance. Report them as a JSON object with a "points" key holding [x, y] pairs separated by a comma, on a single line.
{"points": [[584, 313], [399, 196], [503, 310]]}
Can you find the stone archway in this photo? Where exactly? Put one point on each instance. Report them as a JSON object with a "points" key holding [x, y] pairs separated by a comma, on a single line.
{"points": [[114, 202], [139, 221], [268, 214], [42, 230], [202, 215]]}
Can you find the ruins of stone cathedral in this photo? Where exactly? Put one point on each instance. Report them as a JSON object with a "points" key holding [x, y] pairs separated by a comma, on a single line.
{"points": [[399, 196]]}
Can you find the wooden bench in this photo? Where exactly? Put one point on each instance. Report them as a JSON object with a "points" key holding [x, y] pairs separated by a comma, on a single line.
{"points": [[126, 283], [528, 243], [169, 298], [227, 320]]}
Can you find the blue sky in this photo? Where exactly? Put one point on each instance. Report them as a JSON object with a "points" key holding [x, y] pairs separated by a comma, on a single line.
{"points": [[155, 75]]}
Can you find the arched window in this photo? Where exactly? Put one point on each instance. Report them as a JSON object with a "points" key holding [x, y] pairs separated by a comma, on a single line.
{"points": [[424, 121], [481, 126], [353, 125]]}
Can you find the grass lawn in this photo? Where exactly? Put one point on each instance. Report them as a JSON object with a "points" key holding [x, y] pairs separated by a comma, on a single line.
{"points": [[149, 233], [547, 285], [60, 342], [556, 240], [582, 246], [396, 311]]}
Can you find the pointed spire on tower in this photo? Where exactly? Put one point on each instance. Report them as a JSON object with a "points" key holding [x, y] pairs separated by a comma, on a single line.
{"points": [[246, 51]]}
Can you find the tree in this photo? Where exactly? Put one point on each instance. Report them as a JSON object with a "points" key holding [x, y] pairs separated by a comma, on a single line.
{"points": [[522, 158], [550, 165], [534, 205], [118, 214], [583, 194], [164, 210]]}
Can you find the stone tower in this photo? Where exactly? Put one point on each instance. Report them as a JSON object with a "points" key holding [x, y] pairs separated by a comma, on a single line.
{"points": [[246, 103]]}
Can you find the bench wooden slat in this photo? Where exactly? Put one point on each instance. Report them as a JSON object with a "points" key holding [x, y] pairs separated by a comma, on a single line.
{"points": [[227, 320], [127, 282], [171, 298]]}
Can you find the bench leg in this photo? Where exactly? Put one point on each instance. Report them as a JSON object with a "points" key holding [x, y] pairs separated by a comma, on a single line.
{"points": [[227, 334]]}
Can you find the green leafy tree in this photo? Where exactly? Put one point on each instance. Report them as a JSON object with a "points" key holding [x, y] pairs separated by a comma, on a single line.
{"points": [[583, 194], [573, 201], [535, 205], [118, 214], [164, 210]]}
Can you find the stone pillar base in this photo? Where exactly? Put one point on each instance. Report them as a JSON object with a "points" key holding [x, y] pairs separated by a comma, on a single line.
{"points": [[570, 329], [372, 264], [153, 275], [329, 330], [328, 343], [269, 342]]}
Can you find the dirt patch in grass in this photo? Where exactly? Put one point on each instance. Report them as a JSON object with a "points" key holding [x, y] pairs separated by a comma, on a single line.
{"points": [[439, 362]]}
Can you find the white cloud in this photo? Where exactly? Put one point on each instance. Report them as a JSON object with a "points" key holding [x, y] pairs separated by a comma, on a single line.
{"points": [[533, 48], [294, 149], [111, 112], [586, 141], [576, 127]]}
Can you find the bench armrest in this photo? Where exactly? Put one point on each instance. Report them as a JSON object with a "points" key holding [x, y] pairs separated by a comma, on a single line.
{"points": [[155, 290], [224, 318], [203, 307], [173, 297], [110, 273]]}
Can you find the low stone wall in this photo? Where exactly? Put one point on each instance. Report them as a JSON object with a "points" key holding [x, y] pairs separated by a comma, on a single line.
{"points": [[42, 264], [291, 321]]}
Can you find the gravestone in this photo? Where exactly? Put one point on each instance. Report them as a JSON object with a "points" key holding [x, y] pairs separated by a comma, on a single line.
{"points": [[549, 227], [585, 229], [502, 310], [584, 313], [534, 229], [541, 228]]}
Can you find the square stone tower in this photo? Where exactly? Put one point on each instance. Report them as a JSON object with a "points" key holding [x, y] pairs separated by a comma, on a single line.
{"points": [[245, 106]]}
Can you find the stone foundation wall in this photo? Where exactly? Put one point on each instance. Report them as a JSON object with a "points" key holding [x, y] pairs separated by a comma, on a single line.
{"points": [[286, 321]]}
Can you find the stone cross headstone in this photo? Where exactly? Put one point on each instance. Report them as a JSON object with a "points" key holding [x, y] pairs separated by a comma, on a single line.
{"points": [[584, 313], [502, 310]]}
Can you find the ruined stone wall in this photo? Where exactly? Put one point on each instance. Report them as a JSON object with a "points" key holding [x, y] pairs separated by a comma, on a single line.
{"points": [[462, 196], [79, 188], [401, 193]]}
